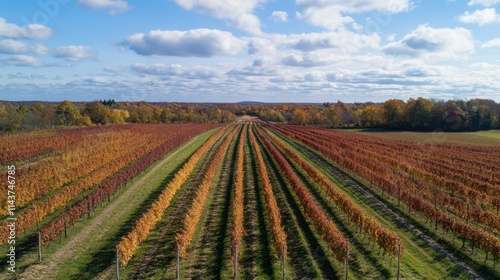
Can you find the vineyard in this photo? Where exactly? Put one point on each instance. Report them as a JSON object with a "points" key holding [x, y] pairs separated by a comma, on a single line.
{"points": [[248, 200]]}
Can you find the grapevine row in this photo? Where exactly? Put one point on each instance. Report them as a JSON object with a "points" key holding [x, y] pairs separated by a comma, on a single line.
{"points": [[184, 237], [385, 239], [143, 226], [485, 241], [56, 172], [273, 212], [71, 215], [24, 146], [324, 226], [38, 211], [237, 205], [392, 178]]}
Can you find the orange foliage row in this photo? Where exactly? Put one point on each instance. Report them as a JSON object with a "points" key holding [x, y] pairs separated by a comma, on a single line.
{"points": [[172, 136], [237, 225], [23, 146], [184, 237], [51, 174], [324, 226], [71, 215], [273, 212], [143, 226], [385, 239]]}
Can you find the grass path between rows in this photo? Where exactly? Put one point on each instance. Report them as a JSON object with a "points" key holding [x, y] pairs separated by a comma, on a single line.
{"points": [[103, 225]]}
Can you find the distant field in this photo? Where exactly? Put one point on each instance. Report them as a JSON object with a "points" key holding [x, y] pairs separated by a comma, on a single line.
{"points": [[489, 138]]}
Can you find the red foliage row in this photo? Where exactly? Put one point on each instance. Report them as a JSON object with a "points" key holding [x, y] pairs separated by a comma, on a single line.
{"points": [[324, 226], [385, 239], [398, 171], [409, 192]]}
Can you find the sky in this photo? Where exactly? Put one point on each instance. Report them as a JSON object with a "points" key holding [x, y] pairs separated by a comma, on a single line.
{"points": [[242, 50]]}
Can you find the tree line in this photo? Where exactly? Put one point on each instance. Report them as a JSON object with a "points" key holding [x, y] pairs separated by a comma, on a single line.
{"points": [[419, 114], [24, 116], [414, 115]]}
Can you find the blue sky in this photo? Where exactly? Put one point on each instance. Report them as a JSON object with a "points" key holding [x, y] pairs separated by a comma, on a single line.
{"points": [[262, 50]]}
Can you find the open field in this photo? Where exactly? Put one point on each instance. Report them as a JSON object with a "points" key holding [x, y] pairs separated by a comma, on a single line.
{"points": [[486, 138], [269, 200]]}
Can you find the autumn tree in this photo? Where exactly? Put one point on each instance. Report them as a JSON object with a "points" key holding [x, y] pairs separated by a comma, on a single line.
{"points": [[418, 113], [67, 113], [393, 113], [98, 113], [299, 117], [371, 116]]}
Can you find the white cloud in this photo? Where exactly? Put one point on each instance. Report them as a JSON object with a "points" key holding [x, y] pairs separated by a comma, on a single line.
{"points": [[23, 76], [261, 46], [343, 41], [495, 43], [486, 3], [159, 69], [10, 46], [74, 53], [304, 60], [357, 27], [238, 12], [480, 17], [279, 16], [428, 42], [21, 60], [30, 31], [13, 47], [97, 80], [191, 43], [115, 6], [39, 49], [330, 14]]}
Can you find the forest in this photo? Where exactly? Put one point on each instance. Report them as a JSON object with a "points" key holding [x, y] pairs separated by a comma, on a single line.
{"points": [[419, 114]]}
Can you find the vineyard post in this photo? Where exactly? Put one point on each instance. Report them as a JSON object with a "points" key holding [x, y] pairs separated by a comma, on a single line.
{"points": [[39, 247], [399, 258], [235, 268], [283, 262], [117, 265], [347, 262], [435, 208], [88, 208], [178, 276], [467, 214], [399, 191]]}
